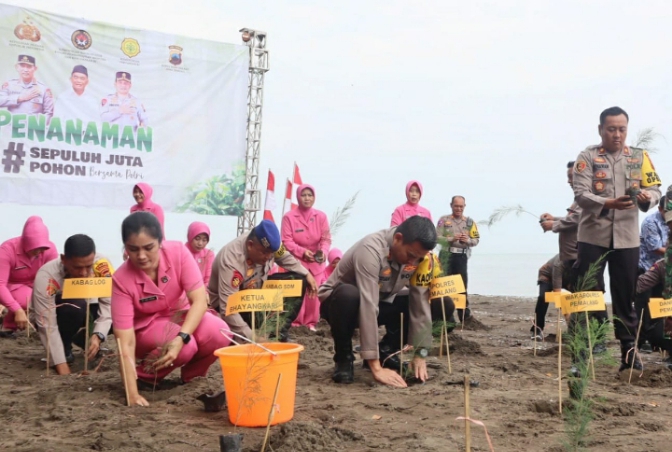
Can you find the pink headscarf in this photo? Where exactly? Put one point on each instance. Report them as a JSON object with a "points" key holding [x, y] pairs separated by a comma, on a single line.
{"points": [[305, 213], [147, 203], [408, 191], [334, 254], [195, 229], [35, 235]]}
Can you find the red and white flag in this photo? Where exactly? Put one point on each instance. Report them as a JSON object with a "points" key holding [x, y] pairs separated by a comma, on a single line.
{"points": [[292, 186], [269, 204]]}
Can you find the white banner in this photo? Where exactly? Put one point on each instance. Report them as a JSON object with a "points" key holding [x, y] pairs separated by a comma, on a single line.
{"points": [[87, 110]]}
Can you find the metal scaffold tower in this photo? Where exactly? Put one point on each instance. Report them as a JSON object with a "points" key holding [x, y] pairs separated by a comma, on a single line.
{"points": [[256, 41]]}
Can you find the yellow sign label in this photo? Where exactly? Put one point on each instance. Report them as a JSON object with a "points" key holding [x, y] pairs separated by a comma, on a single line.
{"points": [[583, 301], [460, 300], [87, 288], [446, 286], [552, 297], [253, 300], [288, 287], [659, 307]]}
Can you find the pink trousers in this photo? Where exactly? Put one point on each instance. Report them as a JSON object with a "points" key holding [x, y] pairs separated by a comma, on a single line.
{"points": [[194, 359], [21, 294], [310, 310]]}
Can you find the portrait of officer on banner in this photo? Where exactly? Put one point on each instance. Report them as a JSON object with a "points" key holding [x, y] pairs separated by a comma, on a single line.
{"points": [[122, 107], [25, 94]]}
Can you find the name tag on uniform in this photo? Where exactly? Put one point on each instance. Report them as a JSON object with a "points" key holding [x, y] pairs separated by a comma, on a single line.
{"points": [[148, 299], [298, 230], [20, 268]]}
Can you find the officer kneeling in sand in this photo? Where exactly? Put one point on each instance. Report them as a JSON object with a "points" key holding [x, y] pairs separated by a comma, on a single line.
{"points": [[362, 293]]}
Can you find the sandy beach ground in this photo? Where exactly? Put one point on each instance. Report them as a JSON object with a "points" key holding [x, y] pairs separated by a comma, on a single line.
{"points": [[516, 399]]}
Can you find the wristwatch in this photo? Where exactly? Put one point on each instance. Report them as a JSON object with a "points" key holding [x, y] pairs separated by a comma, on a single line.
{"points": [[101, 336], [185, 337], [422, 352]]}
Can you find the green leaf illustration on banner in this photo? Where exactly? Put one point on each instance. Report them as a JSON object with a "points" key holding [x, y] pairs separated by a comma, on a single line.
{"points": [[218, 195]]}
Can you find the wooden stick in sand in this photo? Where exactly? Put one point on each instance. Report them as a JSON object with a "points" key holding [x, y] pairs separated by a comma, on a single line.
{"points": [[123, 371], [277, 326], [401, 349], [86, 338], [467, 425], [534, 325], [559, 333], [445, 331], [253, 335], [441, 345], [634, 352], [271, 413], [590, 347], [28, 316], [558, 330], [48, 356]]}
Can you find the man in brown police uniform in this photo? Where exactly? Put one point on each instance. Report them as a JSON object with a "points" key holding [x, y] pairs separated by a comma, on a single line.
{"points": [[122, 107], [244, 263], [25, 94], [611, 182], [457, 235], [567, 228], [362, 292]]}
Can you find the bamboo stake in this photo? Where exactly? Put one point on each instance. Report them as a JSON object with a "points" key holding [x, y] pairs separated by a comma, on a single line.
{"points": [[86, 338], [534, 325], [48, 355], [123, 372], [271, 413], [559, 333], [277, 326], [441, 345], [28, 316], [590, 347], [467, 425], [634, 352], [253, 335], [445, 331], [401, 349]]}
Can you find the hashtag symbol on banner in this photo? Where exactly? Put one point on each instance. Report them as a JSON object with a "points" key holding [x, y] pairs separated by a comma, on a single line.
{"points": [[13, 158]]}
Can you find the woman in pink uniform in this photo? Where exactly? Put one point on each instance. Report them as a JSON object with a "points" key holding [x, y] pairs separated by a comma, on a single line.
{"points": [[305, 234], [159, 308], [198, 237], [20, 259], [142, 193], [412, 206], [334, 257]]}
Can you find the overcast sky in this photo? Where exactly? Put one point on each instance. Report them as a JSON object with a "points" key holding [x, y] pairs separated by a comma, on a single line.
{"points": [[488, 99]]}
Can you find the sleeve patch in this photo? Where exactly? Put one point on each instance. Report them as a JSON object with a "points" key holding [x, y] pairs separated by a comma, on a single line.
{"points": [[236, 279], [579, 166]]}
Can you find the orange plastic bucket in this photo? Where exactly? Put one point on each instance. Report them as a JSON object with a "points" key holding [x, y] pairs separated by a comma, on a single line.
{"points": [[250, 375]]}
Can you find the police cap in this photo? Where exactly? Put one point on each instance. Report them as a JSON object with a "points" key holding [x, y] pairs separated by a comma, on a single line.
{"points": [[268, 235], [27, 59]]}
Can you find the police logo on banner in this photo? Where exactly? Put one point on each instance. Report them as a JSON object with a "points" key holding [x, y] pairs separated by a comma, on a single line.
{"points": [[175, 55]]}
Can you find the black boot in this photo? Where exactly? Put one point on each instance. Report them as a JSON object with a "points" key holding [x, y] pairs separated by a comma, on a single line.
{"points": [[344, 372], [628, 354]]}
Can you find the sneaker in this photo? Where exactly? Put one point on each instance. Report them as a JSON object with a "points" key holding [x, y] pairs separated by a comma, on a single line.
{"points": [[538, 336], [8, 334], [70, 358], [627, 358], [574, 371], [312, 328]]}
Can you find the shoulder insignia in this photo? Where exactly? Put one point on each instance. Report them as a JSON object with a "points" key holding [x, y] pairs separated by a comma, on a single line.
{"points": [[649, 175], [48, 93], [579, 166], [473, 231], [281, 251], [5, 85], [103, 102], [102, 268]]}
